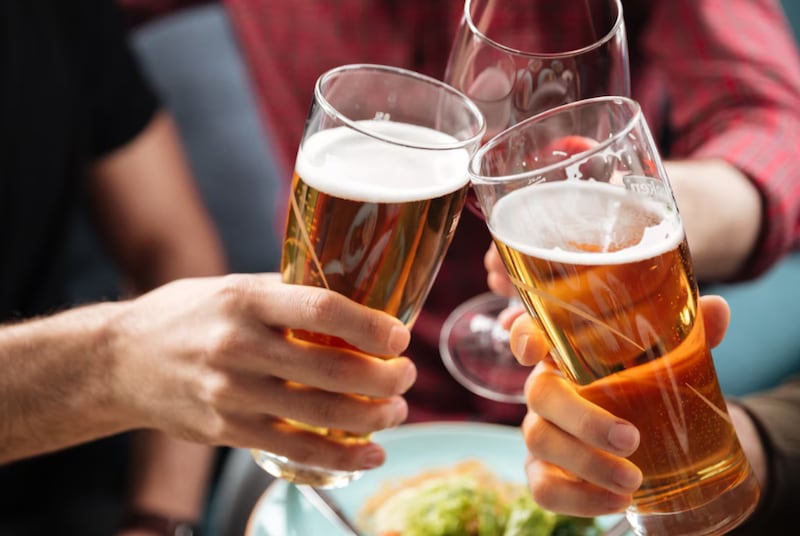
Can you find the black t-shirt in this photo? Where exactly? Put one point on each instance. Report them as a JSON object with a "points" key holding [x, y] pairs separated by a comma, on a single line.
{"points": [[70, 92]]}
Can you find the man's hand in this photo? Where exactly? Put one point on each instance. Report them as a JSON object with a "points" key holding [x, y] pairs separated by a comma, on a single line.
{"points": [[207, 360], [576, 463]]}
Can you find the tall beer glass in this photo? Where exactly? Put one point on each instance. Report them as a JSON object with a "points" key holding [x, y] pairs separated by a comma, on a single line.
{"points": [[378, 187], [579, 205], [514, 59]]}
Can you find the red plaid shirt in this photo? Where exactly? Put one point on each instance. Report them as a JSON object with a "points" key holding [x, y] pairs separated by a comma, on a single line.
{"points": [[721, 76]]}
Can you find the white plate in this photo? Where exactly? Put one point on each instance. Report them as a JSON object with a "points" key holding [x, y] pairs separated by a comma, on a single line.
{"points": [[410, 449]]}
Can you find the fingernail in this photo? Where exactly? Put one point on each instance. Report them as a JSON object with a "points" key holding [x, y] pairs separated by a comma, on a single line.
{"points": [[617, 503], [623, 437], [628, 478], [399, 412], [399, 338], [372, 458], [409, 377], [520, 345]]}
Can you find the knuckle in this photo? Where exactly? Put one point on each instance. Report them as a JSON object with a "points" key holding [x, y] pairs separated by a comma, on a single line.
{"points": [[382, 419], [538, 390], [334, 368], [545, 497], [224, 340], [541, 490], [217, 389], [328, 412], [304, 454], [373, 326], [218, 429], [536, 437], [232, 289], [586, 425], [586, 465], [321, 305], [212, 429], [342, 458], [399, 382]]}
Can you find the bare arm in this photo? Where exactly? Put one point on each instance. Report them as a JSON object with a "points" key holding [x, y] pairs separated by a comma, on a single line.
{"points": [[149, 212], [56, 391], [734, 93], [721, 210], [205, 360]]}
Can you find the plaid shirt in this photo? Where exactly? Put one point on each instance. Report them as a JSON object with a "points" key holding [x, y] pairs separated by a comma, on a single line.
{"points": [[721, 77], [716, 78]]}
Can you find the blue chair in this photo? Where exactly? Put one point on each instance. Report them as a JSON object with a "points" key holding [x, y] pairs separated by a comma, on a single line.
{"points": [[762, 345], [792, 9]]}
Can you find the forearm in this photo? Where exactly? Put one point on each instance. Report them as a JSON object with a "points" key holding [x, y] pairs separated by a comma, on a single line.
{"points": [[734, 94], [721, 211], [57, 388], [151, 214]]}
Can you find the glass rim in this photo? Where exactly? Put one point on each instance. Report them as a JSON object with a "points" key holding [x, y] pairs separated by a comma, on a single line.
{"points": [[618, 22], [473, 169], [469, 104]]}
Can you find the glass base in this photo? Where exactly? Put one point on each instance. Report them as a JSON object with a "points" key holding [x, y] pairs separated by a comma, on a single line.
{"points": [[475, 349], [717, 517], [298, 473]]}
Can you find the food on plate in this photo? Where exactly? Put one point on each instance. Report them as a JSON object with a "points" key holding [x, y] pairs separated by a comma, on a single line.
{"points": [[466, 499]]}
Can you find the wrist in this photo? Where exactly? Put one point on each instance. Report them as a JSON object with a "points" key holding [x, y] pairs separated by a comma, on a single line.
{"points": [[159, 524]]}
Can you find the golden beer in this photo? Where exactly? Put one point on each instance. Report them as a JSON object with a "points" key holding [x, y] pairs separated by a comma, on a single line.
{"points": [[371, 221], [608, 275], [376, 233]]}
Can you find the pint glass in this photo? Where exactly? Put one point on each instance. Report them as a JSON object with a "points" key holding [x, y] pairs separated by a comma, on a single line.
{"points": [[580, 208], [378, 187]]}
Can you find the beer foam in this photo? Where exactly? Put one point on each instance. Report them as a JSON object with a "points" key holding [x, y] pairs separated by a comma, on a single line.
{"points": [[351, 165], [543, 220]]}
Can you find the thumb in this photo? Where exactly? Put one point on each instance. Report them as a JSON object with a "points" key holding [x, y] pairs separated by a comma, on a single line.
{"points": [[716, 316]]}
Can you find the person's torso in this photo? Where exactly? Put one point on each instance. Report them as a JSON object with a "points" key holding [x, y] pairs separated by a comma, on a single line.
{"points": [[42, 146]]}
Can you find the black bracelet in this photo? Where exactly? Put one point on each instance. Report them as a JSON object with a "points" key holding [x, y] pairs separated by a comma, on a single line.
{"points": [[159, 524]]}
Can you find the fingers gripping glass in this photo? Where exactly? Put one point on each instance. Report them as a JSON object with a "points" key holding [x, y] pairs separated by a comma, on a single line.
{"points": [[516, 58], [580, 208], [379, 184]]}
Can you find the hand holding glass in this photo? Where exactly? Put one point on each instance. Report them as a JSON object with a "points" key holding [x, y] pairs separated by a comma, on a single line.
{"points": [[581, 211], [378, 188]]}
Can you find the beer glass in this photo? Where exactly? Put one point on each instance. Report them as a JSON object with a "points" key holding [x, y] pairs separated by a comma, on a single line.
{"points": [[579, 205], [515, 58], [378, 187]]}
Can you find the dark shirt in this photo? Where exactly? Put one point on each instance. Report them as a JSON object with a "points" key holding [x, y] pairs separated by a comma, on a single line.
{"points": [[69, 93], [139, 12], [775, 413]]}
